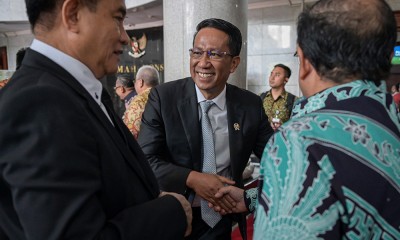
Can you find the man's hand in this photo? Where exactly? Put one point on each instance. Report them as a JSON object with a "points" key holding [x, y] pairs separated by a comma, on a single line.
{"points": [[186, 207], [207, 185], [275, 125], [234, 193]]}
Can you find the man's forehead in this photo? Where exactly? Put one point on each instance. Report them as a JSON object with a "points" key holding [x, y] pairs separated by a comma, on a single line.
{"points": [[115, 5], [278, 69]]}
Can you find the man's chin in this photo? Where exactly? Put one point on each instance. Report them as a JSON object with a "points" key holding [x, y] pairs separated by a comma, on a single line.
{"points": [[202, 85]]}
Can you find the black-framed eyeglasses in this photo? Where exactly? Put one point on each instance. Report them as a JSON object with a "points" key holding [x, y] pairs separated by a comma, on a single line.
{"points": [[212, 54]]}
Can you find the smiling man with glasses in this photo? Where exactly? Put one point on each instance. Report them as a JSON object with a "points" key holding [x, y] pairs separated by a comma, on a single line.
{"points": [[212, 54], [190, 158]]}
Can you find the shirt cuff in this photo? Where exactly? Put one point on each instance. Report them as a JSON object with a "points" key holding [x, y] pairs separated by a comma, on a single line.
{"points": [[250, 198]]}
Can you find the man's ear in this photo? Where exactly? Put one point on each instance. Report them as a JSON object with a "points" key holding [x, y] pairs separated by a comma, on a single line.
{"points": [[305, 65], [235, 63], [71, 14]]}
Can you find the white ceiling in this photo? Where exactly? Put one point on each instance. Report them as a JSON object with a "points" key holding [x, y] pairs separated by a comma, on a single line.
{"points": [[149, 15]]}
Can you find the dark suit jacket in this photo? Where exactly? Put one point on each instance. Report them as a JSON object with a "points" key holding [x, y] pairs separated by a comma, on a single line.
{"points": [[66, 172], [170, 133]]}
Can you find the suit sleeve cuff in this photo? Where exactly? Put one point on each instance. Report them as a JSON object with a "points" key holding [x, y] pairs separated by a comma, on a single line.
{"points": [[250, 199]]}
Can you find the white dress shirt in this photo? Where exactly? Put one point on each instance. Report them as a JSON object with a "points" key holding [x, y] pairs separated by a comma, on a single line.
{"points": [[76, 68]]}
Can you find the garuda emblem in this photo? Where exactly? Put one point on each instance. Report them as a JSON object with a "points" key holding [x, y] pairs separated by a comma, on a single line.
{"points": [[138, 46]]}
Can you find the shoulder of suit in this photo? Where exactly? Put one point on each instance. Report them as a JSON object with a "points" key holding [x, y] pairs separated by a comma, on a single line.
{"points": [[174, 83], [291, 94], [175, 88]]}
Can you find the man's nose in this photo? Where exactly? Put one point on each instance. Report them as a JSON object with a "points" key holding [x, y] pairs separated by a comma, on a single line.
{"points": [[124, 38], [204, 60]]}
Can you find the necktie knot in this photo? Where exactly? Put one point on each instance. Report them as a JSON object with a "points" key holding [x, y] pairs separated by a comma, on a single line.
{"points": [[206, 105]]}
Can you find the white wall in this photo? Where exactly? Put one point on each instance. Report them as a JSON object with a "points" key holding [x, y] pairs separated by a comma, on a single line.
{"points": [[271, 40], [12, 10]]}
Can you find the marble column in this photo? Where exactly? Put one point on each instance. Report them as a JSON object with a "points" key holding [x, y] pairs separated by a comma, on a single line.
{"points": [[180, 20]]}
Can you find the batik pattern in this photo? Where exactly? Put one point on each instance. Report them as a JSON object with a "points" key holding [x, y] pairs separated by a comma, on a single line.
{"points": [[271, 106], [133, 114], [333, 170]]}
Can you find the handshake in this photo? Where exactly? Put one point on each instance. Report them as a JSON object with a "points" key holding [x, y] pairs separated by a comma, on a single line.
{"points": [[217, 190]]}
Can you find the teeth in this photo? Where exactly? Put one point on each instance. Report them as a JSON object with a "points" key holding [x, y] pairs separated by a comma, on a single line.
{"points": [[205, 75]]}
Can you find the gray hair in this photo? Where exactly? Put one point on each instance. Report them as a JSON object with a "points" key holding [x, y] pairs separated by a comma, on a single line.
{"points": [[149, 75], [125, 81]]}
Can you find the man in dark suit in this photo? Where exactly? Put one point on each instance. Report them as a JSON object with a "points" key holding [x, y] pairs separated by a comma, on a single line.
{"points": [[172, 136], [69, 168]]}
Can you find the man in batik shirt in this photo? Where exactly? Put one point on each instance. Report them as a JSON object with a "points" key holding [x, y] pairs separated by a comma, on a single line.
{"points": [[146, 78], [277, 102], [333, 170]]}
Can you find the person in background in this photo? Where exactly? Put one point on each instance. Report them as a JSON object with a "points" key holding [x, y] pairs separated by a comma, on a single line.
{"points": [[4, 82], [19, 57], [277, 102], [396, 95], [125, 89], [333, 170], [69, 167], [146, 78], [198, 132]]}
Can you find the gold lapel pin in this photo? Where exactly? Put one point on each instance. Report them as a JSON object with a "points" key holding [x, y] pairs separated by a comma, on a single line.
{"points": [[236, 126]]}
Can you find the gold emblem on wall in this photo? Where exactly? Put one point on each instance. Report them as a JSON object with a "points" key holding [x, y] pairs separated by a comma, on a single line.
{"points": [[138, 46]]}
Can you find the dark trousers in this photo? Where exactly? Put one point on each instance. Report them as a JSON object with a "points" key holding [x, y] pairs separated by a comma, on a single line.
{"points": [[201, 231]]}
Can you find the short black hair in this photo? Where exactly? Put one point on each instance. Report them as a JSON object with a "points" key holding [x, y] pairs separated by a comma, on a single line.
{"points": [[234, 34], [45, 11], [19, 57], [287, 70], [348, 39]]}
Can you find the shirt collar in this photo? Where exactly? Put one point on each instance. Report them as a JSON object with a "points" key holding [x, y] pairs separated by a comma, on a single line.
{"points": [[330, 96], [219, 100], [130, 96], [73, 66], [146, 91], [283, 93]]}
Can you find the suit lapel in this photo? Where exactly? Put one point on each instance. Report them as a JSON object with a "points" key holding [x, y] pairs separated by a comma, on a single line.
{"points": [[189, 115], [236, 115], [137, 163], [126, 148]]}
